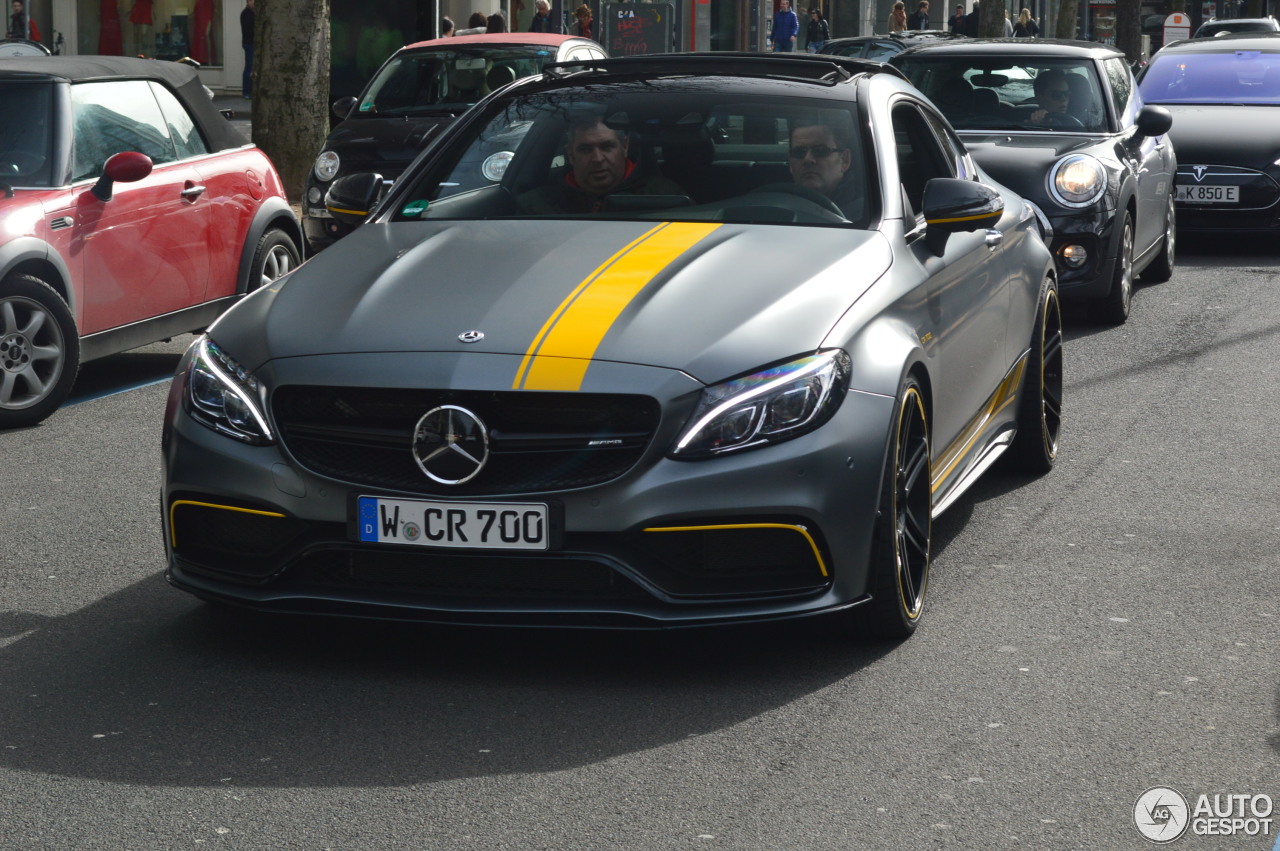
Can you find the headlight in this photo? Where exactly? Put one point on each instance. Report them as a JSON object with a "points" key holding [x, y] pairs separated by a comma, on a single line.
{"points": [[771, 406], [222, 395], [1077, 180], [326, 166]]}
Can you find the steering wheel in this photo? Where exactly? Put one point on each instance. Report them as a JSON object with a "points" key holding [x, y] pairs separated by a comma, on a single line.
{"points": [[1062, 119], [19, 163], [813, 196]]}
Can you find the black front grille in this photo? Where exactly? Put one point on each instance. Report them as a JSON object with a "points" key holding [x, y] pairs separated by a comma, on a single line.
{"points": [[538, 441]]}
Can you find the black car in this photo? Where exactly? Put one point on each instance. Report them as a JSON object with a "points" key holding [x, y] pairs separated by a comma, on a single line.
{"points": [[1224, 94], [418, 91], [1092, 154], [882, 47]]}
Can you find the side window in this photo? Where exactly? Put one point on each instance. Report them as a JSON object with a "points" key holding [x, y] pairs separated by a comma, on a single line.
{"points": [[108, 118], [953, 147], [182, 129], [920, 157], [1121, 87]]}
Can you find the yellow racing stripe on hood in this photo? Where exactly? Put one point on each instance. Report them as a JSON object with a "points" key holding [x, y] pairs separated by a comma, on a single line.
{"points": [[559, 355]]}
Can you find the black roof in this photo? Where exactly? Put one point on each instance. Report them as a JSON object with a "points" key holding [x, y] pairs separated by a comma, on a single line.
{"points": [[180, 78], [1264, 40], [817, 67], [1048, 47]]}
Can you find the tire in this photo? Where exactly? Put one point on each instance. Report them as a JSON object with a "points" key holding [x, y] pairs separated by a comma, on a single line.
{"points": [[1113, 309], [276, 255], [1035, 448], [39, 351], [1161, 268], [899, 571]]}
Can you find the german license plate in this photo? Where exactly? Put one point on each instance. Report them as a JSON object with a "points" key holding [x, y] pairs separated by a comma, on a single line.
{"points": [[462, 525], [1209, 194]]}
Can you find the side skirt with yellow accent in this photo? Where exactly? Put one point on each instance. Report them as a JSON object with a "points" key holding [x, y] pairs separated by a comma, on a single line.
{"points": [[980, 443]]}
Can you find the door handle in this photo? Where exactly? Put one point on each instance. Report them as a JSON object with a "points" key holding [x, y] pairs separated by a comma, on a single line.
{"points": [[994, 238], [192, 191]]}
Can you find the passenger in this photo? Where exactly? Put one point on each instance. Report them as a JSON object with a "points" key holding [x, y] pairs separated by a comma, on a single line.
{"points": [[819, 159], [1053, 96], [598, 167]]}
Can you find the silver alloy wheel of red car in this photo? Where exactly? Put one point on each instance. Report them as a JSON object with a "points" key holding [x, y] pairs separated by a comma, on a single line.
{"points": [[39, 351], [276, 256]]}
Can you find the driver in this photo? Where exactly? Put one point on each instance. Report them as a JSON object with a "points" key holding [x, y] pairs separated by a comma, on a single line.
{"points": [[1053, 95], [819, 159], [598, 167]]}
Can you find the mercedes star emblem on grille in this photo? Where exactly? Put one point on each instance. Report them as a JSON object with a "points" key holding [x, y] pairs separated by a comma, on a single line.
{"points": [[471, 336], [450, 444]]}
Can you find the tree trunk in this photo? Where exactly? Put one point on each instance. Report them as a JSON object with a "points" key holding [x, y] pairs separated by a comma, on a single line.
{"points": [[1068, 25], [291, 85], [990, 19], [1129, 28]]}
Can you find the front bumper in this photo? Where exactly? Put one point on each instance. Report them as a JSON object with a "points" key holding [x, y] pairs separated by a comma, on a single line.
{"points": [[776, 532], [1095, 231]]}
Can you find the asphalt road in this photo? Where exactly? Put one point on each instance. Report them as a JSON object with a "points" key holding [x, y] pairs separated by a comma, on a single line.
{"points": [[1106, 629]]}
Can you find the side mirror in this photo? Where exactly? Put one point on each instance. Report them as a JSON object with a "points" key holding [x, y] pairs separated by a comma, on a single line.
{"points": [[1154, 120], [342, 107], [956, 206], [125, 167], [351, 198]]}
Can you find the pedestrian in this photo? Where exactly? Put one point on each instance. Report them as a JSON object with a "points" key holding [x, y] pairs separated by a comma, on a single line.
{"points": [[582, 21], [542, 21], [919, 19], [817, 32], [1008, 25], [246, 40], [1026, 27], [898, 17], [446, 26], [21, 25], [956, 22], [496, 23], [476, 24], [971, 22], [786, 26]]}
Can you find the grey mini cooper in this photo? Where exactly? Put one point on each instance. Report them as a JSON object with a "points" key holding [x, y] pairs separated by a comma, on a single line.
{"points": [[649, 341]]}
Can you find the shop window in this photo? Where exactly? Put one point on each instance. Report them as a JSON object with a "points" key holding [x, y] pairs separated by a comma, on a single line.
{"points": [[157, 29]]}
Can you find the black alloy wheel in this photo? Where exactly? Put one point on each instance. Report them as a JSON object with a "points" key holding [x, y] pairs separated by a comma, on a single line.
{"points": [[1035, 448], [899, 570]]}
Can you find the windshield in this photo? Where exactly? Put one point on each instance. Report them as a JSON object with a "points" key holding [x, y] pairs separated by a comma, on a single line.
{"points": [[1240, 76], [440, 80], [639, 151], [26, 147], [981, 93]]}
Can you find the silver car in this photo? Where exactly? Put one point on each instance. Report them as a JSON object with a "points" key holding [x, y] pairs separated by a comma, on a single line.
{"points": [[713, 386]]}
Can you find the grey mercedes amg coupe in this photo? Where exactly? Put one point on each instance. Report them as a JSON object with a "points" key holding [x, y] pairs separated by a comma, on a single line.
{"points": [[642, 342]]}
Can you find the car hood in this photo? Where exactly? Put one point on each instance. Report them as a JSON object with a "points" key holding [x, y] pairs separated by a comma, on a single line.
{"points": [[1022, 162], [713, 300], [395, 139], [1198, 138]]}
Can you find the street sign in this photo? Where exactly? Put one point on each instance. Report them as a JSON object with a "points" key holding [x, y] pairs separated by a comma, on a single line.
{"points": [[1176, 26]]}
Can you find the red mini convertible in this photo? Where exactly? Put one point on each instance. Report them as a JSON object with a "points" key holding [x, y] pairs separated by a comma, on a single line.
{"points": [[130, 211]]}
